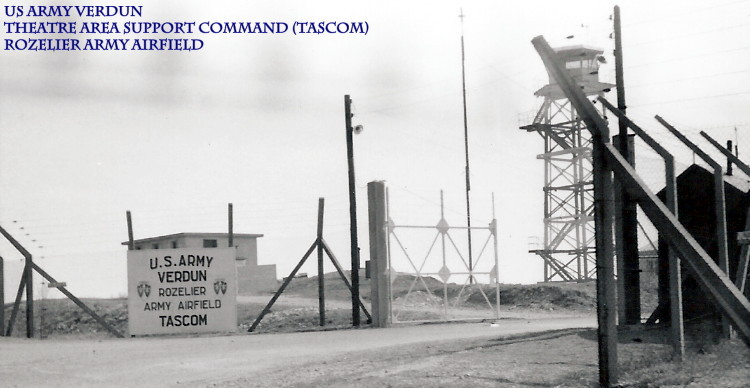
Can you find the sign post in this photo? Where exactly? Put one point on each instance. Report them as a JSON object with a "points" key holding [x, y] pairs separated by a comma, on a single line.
{"points": [[186, 290]]}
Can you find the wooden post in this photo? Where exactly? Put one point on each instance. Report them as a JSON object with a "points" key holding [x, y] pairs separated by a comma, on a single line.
{"points": [[673, 271], [729, 161], [352, 210], [619, 254], [379, 271], [340, 271], [606, 298], [628, 265], [743, 239], [131, 242], [29, 275], [282, 288], [720, 212], [663, 281], [627, 247], [321, 273], [728, 298], [746, 169], [16, 307], [739, 163], [619, 76], [230, 214], [2, 298], [42, 311], [605, 279]]}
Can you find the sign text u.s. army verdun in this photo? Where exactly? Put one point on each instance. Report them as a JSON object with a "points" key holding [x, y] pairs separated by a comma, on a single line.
{"points": [[182, 290]]}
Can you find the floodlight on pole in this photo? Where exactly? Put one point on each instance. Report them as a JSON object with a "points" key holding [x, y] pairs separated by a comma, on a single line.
{"points": [[352, 207]]}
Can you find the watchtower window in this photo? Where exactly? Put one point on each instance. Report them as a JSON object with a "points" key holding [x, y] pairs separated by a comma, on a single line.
{"points": [[573, 65], [210, 244]]}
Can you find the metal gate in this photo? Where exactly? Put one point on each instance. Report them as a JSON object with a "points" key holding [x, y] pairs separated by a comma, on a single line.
{"points": [[444, 283]]}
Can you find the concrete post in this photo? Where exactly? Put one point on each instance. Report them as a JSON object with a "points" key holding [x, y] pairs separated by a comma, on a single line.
{"points": [[380, 273]]}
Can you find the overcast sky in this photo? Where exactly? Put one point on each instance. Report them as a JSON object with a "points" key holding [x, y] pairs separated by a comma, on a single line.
{"points": [[257, 120]]}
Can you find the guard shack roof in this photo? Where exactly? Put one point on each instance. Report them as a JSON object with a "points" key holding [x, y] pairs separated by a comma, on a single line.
{"points": [[578, 51], [582, 63]]}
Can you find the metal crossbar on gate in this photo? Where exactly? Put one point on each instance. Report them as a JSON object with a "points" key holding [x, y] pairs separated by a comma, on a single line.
{"points": [[429, 281]]}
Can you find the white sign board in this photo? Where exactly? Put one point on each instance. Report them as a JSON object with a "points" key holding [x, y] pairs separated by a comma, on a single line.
{"points": [[187, 290]]}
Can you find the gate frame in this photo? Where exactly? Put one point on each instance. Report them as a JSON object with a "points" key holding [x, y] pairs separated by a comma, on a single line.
{"points": [[443, 231]]}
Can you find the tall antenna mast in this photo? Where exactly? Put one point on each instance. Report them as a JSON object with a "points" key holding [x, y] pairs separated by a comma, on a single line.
{"points": [[466, 147]]}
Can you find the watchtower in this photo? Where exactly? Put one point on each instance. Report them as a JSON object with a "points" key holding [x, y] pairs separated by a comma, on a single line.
{"points": [[569, 247]]}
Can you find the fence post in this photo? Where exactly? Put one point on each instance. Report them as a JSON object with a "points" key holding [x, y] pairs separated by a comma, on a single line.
{"points": [[674, 272], [2, 299], [628, 267], [29, 275], [379, 271], [720, 208], [606, 299], [321, 273], [605, 282], [230, 225]]}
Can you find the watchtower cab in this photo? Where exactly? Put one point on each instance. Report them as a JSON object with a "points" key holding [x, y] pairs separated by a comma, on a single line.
{"points": [[582, 63]]}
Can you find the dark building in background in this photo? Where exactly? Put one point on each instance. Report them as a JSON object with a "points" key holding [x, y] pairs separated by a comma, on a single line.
{"points": [[695, 201]]}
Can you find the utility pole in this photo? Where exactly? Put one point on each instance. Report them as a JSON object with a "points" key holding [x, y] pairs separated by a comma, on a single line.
{"points": [[619, 80], [628, 208], [466, 148], [352, 210]]}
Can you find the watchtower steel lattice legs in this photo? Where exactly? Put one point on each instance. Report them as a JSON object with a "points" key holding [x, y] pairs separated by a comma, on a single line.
{"points": [[568, 250]]}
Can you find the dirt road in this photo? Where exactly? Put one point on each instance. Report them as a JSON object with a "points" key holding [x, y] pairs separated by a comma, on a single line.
{"points": [[233, 360]]}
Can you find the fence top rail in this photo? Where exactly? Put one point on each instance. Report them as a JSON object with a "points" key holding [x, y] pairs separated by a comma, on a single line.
{"points": [[15, 243], [639, 131], [740, 164], [698, 151]]}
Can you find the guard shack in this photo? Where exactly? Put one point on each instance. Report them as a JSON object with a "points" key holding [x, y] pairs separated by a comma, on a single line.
{"points": [[695, 201], [252, 279]]}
